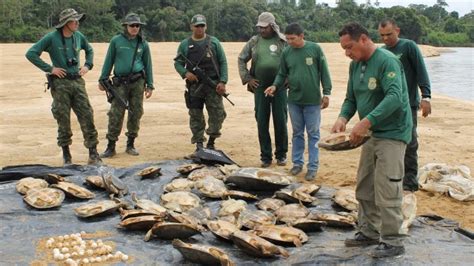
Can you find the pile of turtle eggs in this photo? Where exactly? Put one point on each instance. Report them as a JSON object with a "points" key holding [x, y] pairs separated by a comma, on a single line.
{"points": [[73, 250]]}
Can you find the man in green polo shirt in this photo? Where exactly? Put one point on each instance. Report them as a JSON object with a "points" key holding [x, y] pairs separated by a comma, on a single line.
{"points": [[265, 51], [205, 52], [130, 57], [417, 76], [305, 67], [67, 85], [377, 90]]}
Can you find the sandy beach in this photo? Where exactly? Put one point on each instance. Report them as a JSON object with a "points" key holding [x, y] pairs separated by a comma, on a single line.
{"points": [[28, 129]]}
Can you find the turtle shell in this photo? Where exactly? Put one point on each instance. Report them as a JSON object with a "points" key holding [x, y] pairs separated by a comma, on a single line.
{"points": [[232, 207], [200, 254], [222, 229], [114, 185], [259, 179], [97, 208], [188, 168], [27, 183], [252, 218], [334, 220], [281, 235], [141, 223], [125, 214], [148, 205], [150, 172], [308, 225], [44, 198], [179, 184], [270, 204], [53, 178], [168, 231], [211, 187], [185, 219], [256, 246], [206, 171], [339, 142], [291, 212], [346, 199], [180, 201], [290, 197], [74, 190], [95, 181], [200, 213], [236, 194]]}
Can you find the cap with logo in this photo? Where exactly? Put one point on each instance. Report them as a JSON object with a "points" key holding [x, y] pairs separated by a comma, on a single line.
{"points": [[198, 20]]}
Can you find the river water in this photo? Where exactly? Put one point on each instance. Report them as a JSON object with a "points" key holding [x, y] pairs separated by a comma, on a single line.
{"points": [[452, 73]]}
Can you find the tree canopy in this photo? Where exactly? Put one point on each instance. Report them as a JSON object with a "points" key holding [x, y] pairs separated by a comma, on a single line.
{"points": [[234, 20]]}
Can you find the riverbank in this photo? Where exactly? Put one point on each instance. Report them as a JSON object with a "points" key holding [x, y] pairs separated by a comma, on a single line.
{"points": [[28, 130]]}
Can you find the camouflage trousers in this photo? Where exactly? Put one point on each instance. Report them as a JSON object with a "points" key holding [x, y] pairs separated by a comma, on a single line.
{"points": [[215, 110], [133, 93], [67, 95]]}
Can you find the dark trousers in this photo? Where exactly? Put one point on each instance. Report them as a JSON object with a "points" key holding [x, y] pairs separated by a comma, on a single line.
{"points": [[410, 180], [277, 107]]}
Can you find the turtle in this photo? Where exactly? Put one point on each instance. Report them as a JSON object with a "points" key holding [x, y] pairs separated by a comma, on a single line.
{"points": [[290, 197], [148, 205], [228, 169], [44, 198], [211, 187], [114, 185], [339, 142], [180, 201], [200, 254], [281, 235], [307, 188], [188, 168], [231, 207], [291, 212], [259, 179], [334, 220], [99, 208], [222, 229], [256, 246], [27, 183], [168, 231], [252, 218], [346, 199], [270, 204], [186, 219], [54, 178], [179, 184], [236, 194], [206, 171], [141, 223], [95, 181], [74, 190], [200, 213], [125, 214], [307, 225], [150, 172]]}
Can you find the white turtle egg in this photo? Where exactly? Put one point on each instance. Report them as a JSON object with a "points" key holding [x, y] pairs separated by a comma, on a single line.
{"points": [[60, 256], [59, 245], [85, 260], [67, 256], [81, 252], [61, 238], [92, 259], [74, 254], [66, 237], [64, 250], [94, 245], [124, 257], [110, 256], [89, 252], [98, 259]]}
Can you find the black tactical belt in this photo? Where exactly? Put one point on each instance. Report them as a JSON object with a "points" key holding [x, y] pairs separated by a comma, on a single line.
{"points": [[68, 76], [129, 79]]}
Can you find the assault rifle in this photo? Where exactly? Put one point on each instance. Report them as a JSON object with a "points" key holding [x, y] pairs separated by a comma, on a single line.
{"points": [[202, 77], [111, 93]]}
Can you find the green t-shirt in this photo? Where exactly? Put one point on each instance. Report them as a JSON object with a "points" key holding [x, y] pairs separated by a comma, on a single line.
{"points": [[415, 71], [120, 56], [305, 68], [217, 50], [377, 90], [268, 63], [59, 53]]}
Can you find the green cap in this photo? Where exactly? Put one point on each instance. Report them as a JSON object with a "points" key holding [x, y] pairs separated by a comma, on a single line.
{"points": [[67, 15], [132, 18], [198, 20]]}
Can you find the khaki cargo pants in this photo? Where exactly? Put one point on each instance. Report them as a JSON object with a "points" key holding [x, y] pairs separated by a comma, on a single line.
{"points": [[379, 190]]}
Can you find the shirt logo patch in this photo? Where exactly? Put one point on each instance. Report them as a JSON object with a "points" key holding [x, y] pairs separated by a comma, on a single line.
{"points": [[372, 83], [391, 74], [273, 48], [309, 61], [139, 50]]}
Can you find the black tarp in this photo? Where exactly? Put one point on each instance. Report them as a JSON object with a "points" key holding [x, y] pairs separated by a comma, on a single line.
{"points": [[431, 241]]}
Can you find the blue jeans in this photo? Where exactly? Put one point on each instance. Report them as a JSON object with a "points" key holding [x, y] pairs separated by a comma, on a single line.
{"points": [[309, 117]]}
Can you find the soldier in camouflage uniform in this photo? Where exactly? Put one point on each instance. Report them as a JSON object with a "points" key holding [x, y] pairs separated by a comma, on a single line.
{"points": [[129, 54], [205, 52], [66, 82]]}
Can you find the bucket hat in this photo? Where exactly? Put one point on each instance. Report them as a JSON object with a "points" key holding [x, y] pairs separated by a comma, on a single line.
{"points": [[265, 19], [67, 15], [132, 18], [198, 20]]}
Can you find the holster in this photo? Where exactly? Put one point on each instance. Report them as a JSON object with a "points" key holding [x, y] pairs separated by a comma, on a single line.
{"points": [[129, 79], [193, 102]]}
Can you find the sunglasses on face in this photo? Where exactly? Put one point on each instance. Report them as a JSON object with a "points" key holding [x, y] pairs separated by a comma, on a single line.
{"points": [[200, 26], [134, 25]]}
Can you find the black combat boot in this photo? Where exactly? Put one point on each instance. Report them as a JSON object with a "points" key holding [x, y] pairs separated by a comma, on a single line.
{"points": [[210, 143], [130, 147], [66, 155], [94, 157], [110, 151], [199, 146]]}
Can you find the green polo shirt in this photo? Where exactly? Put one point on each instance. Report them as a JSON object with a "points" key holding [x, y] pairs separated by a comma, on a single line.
{"points": [[60, 53], [377, 90], [306, 68], [120, 56]]}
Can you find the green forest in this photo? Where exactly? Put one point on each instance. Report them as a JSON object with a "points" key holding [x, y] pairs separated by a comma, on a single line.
{"points": [[234, 20]]}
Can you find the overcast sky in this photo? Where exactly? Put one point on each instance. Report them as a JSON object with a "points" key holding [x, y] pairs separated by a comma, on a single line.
{"points": [[461, 6]]}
